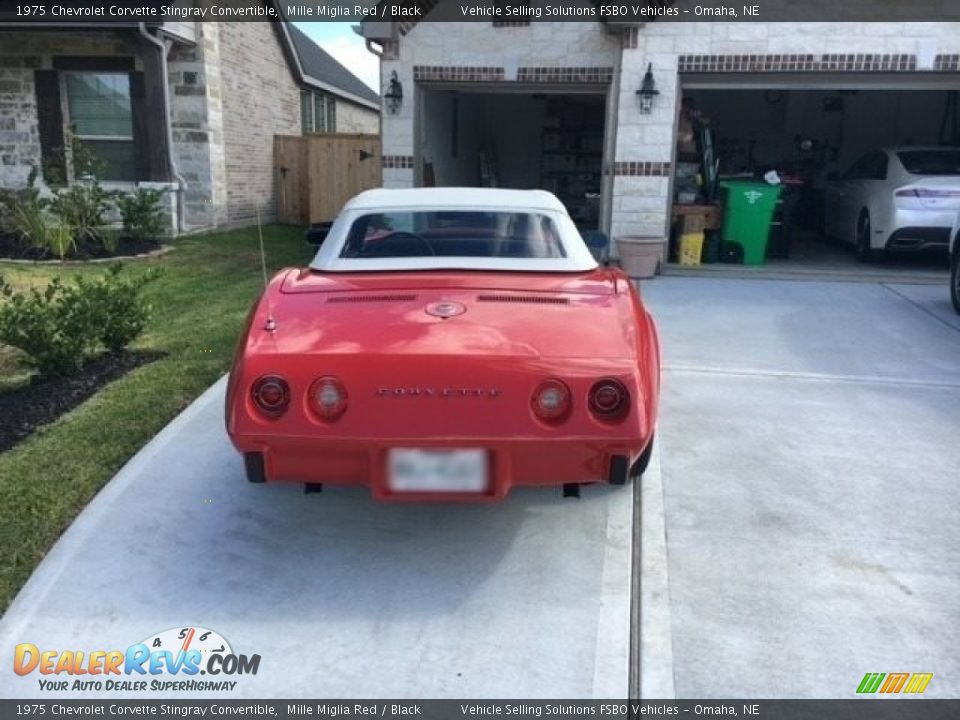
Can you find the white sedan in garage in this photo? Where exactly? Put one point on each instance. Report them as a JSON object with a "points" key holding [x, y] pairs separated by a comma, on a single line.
{"points": [[904, 198]]}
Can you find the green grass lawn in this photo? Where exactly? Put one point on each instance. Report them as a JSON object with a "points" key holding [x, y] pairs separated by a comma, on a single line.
{"points": [[199, 305]]}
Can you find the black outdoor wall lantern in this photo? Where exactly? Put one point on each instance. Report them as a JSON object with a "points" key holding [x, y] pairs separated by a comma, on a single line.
{"points": [[648, 91], [393, 97]]}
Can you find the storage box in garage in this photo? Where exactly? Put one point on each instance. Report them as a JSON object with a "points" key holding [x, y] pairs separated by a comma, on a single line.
{"points": [[691, 248], [697, 218], [693, 224]]}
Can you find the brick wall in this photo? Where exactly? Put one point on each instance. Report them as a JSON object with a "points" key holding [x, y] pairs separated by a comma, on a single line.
{"points": [[231, 94], [353, 118], [260, 99]]}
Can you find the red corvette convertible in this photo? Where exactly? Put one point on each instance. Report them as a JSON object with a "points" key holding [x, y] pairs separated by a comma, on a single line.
{"points": [[447, 344]]}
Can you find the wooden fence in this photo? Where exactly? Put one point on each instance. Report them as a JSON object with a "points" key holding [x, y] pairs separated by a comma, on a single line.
{"points": [[317, 174]]}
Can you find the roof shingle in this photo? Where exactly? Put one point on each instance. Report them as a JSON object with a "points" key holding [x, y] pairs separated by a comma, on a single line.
{"points": [[320, 65]]}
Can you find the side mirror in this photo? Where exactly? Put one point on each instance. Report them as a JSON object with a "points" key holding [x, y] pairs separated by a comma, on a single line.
{"points": [[318, 233], [833, 176]]}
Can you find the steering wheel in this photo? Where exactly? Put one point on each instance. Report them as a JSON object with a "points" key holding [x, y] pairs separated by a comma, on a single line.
{"points": [[398, 234]]}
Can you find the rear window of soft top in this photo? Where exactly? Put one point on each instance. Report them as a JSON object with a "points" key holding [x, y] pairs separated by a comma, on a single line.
{"points": [[457, 233]]}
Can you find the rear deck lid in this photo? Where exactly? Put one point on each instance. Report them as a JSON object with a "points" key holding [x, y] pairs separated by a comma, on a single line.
{"points": [[442, 314]]}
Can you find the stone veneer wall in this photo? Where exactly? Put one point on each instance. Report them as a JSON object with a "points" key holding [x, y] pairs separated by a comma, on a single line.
{"points": [[20, 54], [19, 137], [196, 116], [260, 99]]}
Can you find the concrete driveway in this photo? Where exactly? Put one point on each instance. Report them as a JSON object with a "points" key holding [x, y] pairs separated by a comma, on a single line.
{"points": [[810, 457], [798, 531], [341, 597]]}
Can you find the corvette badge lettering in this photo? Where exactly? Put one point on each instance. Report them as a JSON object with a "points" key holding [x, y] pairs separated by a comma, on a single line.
{"points": [[415, 392]]}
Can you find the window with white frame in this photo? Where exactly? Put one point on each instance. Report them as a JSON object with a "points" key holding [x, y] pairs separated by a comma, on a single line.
{"points": [[306, 112], [317, 112], [98, 112]]}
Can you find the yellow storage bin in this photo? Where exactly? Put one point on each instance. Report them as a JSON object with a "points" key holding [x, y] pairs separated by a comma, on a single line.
{"points": [[691, 248]]}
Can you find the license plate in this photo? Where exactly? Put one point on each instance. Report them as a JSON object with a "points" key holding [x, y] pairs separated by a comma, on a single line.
{"points": [[415, 470]]}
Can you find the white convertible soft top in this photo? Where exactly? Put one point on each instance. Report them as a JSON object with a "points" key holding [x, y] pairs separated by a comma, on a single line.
{"points": [[577, 256]]}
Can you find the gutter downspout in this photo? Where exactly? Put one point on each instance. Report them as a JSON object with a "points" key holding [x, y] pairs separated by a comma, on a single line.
{"points": [[379, 53], [610, 127], [171, 162]]}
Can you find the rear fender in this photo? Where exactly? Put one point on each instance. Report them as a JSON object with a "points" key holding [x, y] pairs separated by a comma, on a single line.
{"points": [[255, 322], [647, 347]]}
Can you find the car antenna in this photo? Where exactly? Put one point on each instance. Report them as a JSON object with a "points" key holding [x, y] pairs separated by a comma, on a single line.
{"points": [[271, 325]]}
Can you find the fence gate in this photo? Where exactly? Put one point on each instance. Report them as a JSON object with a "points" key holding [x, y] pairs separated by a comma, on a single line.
{"points": [[319, 173]]}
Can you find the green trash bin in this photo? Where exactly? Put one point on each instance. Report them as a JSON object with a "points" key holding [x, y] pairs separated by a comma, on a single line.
{"points": [[748, 208]]}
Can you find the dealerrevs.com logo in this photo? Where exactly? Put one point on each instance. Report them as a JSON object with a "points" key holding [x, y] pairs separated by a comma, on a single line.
{"points": [[170, 660]]}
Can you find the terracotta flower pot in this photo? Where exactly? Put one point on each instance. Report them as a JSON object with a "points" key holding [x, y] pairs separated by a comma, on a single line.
{"points": [[640, 255]]}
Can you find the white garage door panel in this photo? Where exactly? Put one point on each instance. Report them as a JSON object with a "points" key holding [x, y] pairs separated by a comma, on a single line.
{"points": [[819, 81]]}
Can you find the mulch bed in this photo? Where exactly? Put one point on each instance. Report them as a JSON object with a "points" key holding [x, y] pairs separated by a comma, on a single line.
{"points": [[11, 248], [29, 407]]}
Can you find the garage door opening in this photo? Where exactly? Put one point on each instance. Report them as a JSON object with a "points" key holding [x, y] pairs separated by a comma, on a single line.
{"points": [[842, 156], [519, 141]]}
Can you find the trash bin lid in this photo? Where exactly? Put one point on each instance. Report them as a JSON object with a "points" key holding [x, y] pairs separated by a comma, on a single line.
{"points": [[750, 194]]}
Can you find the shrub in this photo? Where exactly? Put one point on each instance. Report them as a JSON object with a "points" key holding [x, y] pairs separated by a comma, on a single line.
{"points": [[117, 305], [60, 239], [24, 212], [42, 232], [109, 236], [60, 326], [81, 207], [141, 212], [51, 326], [8, 200], [31, 225]]}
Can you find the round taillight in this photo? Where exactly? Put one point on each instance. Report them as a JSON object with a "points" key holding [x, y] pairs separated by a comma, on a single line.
{"points": [[328, 398], [551, 401], [271, 395], [609, 400]]}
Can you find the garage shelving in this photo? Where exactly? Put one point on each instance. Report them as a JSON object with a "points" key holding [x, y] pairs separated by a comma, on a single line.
{"points": [[572, 156]]}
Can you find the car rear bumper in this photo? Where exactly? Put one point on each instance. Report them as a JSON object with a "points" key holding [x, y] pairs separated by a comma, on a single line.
{"points": [[512, 463], [917, 229], [919, 238]]}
